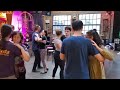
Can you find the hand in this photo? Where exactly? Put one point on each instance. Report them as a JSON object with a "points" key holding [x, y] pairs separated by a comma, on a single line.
{"points": [[44, 41], [93, 43], [18, 45], [39, 39]]}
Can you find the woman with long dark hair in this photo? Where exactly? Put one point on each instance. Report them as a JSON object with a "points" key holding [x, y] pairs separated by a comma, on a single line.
{"points": [[96, 67], [8, 52], [20, 69]]}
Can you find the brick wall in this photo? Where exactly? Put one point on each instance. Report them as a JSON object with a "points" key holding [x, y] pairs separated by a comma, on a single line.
{"points": [[105, 35]]}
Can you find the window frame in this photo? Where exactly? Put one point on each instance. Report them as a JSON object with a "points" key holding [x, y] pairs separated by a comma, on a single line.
{"points": [[63, 23]]}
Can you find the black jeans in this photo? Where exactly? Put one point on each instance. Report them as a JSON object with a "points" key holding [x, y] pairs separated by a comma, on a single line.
{"points": [[58, 62], [37, 59], [22, 75]]}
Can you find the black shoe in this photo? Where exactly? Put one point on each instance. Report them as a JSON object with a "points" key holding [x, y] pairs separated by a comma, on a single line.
{"points": [[47, 69], [43, 72], [40, 67], [35, 71]]}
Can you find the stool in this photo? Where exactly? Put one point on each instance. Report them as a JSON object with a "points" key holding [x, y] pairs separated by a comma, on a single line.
{"points": [[50, 52], [49, 48]]}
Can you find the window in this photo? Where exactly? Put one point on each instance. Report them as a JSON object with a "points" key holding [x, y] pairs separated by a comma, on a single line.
{"points": [[60, 22], [90, 21]]}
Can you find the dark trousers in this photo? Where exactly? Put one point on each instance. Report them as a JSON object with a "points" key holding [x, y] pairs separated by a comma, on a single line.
{"points": [[58, 62], [37, 59], [21, 76]]}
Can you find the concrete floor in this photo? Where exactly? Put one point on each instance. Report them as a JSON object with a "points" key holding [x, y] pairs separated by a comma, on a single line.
{"points": [[112, 69], [37, 75]]}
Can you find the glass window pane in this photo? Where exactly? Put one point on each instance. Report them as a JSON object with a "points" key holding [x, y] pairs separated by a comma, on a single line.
{"points": [[87, 22], [66, 23], [57, 17], [54, 22], [94, 22], [69, 22], [98, 21], [63, 22], [69, 17], [54, 17], [83, 21], [90, 27], [80, 17], [86, 27], [65, 17], [94, 16], [83, 16], [98, 15], [98, 27], [85, 31], [83, 28], [90, 21], [87, 16], [94, 26], [91, 16]]}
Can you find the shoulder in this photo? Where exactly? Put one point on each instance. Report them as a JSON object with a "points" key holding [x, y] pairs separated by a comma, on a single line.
{"points": [[57, 41], [11, 44], [86, 40]]}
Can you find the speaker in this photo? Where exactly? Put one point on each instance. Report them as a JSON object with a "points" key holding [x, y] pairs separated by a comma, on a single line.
{"points": [[116, 24]]}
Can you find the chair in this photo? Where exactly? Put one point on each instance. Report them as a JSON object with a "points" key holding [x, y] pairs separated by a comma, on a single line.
{"points": [[50, 52]]}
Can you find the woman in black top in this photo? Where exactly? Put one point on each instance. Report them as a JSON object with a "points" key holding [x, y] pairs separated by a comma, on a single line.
{"points": [[20, 69], [43, 51], [48, 38]]}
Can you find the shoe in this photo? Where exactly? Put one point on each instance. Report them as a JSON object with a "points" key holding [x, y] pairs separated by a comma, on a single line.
{"points": [[47, 69], [53, 77], [40, 67], [43, 72], [35, 71]]}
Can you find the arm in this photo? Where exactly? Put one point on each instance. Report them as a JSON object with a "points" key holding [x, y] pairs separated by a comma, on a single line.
{"points": [[94, 51], [44, 40], [99, 57], [99, 49], [62, 54], [106, 54], [25, 55], [37, 38]]}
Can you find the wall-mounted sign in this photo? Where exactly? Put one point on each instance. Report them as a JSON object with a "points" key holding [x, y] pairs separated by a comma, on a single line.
{"points": [[3, 17]]}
